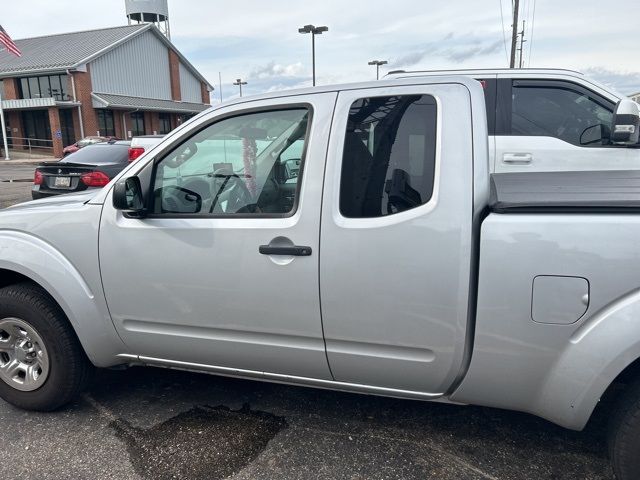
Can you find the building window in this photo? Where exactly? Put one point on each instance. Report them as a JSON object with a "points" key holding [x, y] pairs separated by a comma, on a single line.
{"points": [[137, 124], [44, 87], [164, 123], [106, 125], [389, 155]]}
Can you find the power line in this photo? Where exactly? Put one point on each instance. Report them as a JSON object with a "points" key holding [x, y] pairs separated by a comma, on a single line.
{"points": [[533, 20], [504, 35]]}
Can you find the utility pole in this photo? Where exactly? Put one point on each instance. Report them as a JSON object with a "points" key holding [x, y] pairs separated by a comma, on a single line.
{"points": [[514, 33], [522, 40], [239, 83], [220, 83], [313, 30], [377, 63]]}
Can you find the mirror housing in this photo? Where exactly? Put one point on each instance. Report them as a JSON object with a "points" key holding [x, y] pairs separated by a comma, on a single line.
{"points": [[626, 123], [128, 197]]}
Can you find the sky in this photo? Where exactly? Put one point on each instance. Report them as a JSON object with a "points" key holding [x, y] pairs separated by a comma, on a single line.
{"points": [[258, 40]]}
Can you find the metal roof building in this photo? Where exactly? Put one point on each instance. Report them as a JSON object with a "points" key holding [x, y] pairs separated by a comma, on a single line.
{"points": [[121, 82]]}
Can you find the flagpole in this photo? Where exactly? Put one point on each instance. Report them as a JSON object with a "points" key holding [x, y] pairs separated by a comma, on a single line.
{"points": [[4, 131]]}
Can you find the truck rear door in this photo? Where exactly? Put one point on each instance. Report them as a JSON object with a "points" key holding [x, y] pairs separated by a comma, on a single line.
{"points": [[396, 233]]}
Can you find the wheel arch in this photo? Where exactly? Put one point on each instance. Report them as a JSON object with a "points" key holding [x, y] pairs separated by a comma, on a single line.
{"points": [[27, 258], [601, 353]]}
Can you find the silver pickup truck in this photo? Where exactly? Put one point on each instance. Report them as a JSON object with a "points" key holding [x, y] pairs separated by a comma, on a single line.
{"points": [[347, 237]]}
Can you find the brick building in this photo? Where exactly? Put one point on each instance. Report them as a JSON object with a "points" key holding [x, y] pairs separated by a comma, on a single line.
{"points": [[121, 81]]}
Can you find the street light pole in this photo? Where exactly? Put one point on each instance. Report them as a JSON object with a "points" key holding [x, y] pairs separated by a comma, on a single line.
{"points": [[377, 63], [239, 83], [313, 30]]}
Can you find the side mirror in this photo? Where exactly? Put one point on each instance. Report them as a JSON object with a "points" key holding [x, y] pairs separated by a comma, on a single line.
{"points": [[592, 135], [128, 196], [626, 123]]}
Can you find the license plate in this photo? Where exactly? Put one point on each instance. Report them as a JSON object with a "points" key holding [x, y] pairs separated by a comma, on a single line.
{"points": [[62, 182]]}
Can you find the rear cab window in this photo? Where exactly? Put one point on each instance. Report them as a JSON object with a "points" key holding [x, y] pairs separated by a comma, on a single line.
{"points": [[388, 162]]}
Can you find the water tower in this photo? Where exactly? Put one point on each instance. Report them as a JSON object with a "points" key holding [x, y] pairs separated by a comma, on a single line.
{"points": [[149, 11]]}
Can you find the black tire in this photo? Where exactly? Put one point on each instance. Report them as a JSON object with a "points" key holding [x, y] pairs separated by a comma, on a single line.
{"points": [[624, 434], [69, 367]]}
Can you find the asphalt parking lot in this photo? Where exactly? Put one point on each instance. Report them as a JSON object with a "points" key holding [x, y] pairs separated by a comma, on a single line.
{"points": [[158, 424], [147, 423], [15, 183]]}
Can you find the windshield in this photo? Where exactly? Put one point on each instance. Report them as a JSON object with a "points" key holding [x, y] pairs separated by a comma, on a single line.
{"points": [[99, 154]]}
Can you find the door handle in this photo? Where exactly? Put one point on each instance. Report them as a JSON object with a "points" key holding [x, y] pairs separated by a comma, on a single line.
{"points": [[517, 158], [294, 250]]}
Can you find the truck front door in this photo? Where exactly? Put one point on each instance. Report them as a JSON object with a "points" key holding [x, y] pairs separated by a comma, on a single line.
{"points": [[555, 125], [223, 272], [396, 236]]}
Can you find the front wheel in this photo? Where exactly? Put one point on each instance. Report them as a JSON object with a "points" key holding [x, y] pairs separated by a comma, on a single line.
{"points": [[42, 364]]}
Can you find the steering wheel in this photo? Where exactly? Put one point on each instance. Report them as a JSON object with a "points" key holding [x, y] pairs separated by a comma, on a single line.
{"points": [[228, 185], [180, 200]]}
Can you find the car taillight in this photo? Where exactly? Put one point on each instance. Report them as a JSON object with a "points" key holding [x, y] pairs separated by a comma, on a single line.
{"points": [[95, 179], [37, 178], [135, 152]]}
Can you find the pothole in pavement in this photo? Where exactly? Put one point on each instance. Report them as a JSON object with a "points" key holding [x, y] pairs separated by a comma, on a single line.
{"points": [[203, 443]]}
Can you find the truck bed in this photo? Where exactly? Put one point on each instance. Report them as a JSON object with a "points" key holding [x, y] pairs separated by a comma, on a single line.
{"points": [[589, 191]]}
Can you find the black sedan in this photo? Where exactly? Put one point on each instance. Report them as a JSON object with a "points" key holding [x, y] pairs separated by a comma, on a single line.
{"points": [[90, 167]]}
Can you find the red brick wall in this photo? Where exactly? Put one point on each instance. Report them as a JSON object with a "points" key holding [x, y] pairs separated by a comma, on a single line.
{"points": [[155, 122], [205, 93], [15, 123], [10, 89], [174, 72], [83, 94], [76, 124]]}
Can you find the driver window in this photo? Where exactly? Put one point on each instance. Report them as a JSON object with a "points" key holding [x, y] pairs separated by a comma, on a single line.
{"points": [[247, 164], [560, 112]]}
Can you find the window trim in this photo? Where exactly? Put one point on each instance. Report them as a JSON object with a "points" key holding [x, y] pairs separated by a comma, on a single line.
{"points": [[490, 89], [550, 83], [386, 220], [238, 113]]}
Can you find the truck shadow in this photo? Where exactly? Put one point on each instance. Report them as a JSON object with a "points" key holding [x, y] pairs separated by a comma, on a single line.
{"points": [[164, 419]]}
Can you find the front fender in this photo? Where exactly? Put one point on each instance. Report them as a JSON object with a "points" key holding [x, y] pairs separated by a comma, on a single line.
{"points": [[596, 354], [81, 300]]}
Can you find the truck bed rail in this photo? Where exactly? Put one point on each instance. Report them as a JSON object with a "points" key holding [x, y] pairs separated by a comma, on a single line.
{"points": [[586, 191]]}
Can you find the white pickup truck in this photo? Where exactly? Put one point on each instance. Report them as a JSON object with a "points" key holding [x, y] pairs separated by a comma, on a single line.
{"points": [[547, 120], [347, 237]]}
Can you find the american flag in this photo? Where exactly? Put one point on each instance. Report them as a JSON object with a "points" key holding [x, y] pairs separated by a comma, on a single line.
{"points": [[5, 40]]}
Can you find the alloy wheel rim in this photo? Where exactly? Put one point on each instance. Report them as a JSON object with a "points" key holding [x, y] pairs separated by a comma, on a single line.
{"points": [[24, 361]]}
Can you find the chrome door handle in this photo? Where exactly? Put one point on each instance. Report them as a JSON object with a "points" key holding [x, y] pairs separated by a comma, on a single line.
{"points": [[517, 158]]}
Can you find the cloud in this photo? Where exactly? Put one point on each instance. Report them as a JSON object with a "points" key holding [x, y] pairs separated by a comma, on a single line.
{"points": [[452, 48], [408, 60], [273, 69], [625, 82]]}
